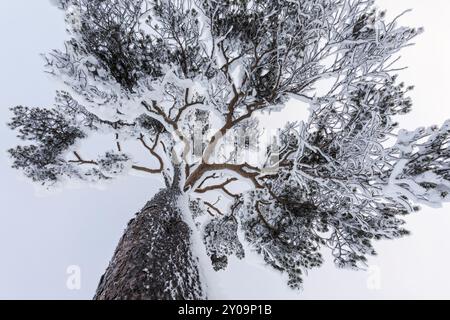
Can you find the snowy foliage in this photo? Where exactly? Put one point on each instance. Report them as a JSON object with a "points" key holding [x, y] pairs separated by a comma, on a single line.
{"points": [[221, 240], [168, 73], [53, 135]]}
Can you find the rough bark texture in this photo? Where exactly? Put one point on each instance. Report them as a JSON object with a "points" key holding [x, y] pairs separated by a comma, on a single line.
{"points": [[153, 259]]}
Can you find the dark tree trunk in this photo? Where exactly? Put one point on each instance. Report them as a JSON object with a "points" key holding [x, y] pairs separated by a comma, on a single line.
{"points": [[153, 259]]}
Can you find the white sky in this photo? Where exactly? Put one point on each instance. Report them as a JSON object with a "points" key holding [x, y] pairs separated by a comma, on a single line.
{"points": [[41, 235]]}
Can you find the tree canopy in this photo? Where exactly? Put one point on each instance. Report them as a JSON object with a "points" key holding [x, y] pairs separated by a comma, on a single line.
{"points": [[187, 80]]}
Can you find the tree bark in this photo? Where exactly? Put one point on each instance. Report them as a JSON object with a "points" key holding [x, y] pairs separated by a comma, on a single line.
{"points": [[153, 259]]}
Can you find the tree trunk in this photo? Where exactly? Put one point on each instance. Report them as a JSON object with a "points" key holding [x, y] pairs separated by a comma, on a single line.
{"points": [[153, 259]]}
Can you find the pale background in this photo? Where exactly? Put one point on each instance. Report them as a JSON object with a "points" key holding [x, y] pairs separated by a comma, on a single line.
{"points": [[41, 235]]}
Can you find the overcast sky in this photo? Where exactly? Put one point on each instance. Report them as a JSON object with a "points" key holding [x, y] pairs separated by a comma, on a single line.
{"points": [[41, 235]]}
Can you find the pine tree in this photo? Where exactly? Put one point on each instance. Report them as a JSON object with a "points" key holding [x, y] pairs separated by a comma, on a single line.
{"points": [[166, 73]]}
